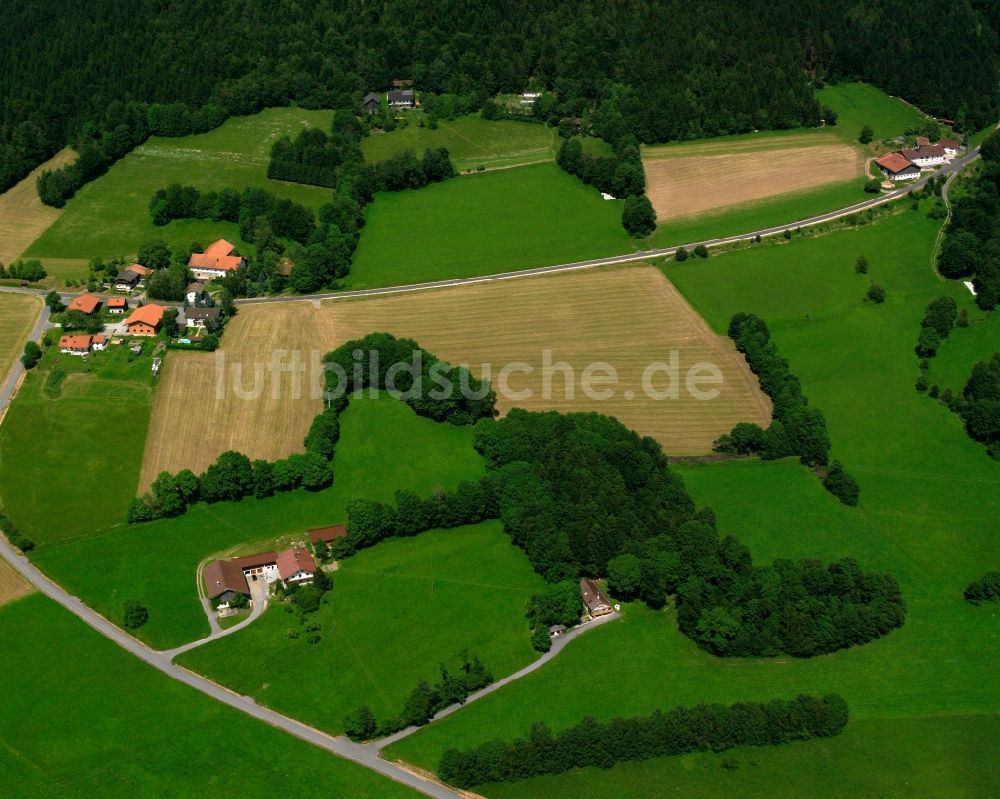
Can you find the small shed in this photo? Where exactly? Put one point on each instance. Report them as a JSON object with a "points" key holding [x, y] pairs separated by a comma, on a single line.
{"points": [[371, 103]]}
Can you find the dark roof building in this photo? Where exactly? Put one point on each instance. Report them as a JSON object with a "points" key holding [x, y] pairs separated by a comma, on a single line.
{"points": [[371, 103], [327, 534], [256, 561], [201, 315], [224, 577], [402, 99], [594, 600]]}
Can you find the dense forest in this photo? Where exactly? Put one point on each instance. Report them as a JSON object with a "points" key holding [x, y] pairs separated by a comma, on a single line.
{"points": [[971, 247], [660, 70]]}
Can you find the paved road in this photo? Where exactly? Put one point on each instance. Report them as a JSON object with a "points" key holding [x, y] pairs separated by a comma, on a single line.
{"points": [[258, 591], [557, 647], [366, 756]]}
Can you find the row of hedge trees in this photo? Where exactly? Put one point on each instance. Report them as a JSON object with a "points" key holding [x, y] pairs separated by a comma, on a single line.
{"points": [[100, 145], [424, 701], [980, 405], [14, 535], [234, 476], [30, 271], [701, 728], [796, 427], [620, 175], [971, 246]]}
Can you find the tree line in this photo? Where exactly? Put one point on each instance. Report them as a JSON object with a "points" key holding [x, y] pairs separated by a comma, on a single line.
{"points": [[979, 405], [971, 246], [685, 71], [14, 535], [796, 427], [424, 701], [30, 271], [590, 743]]}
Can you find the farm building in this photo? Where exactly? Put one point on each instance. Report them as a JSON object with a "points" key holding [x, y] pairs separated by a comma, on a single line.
{"points": [[145, 320], [950, 147], [371, 103], [296, 566], [76, 345], [127, 280], [201, 317], [924, 156], [897, 167], [98, 342], [263, 565], [85, 303], [216, 261], [402, 83], [327, 535], [117, 305], [224, 580], [402, 99], [594, 600]]}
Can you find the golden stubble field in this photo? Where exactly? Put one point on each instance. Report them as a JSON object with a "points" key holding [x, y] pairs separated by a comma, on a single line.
{"points": [[627, 318], [12, 584], [689, 179], [23, 218], [18, 313]]}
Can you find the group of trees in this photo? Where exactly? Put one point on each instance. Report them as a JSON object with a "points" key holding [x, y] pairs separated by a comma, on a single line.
{"points": [[557, 603], [971, 246], [583, 495], [620, 175], [796, 427], [424, 701], [979, 406], [29, 271], [14, 535], [432, 387], [939, 319], [713, 728], [316, 158], [32, 355], [684, 71], [286, 218], [984, 589]]}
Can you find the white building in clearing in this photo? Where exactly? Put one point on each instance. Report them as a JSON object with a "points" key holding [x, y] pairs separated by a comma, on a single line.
{"points": [[295, 566], [216, 261], [897, 167], [925, 156]]}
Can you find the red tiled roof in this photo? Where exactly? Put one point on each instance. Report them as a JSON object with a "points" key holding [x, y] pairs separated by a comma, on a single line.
{"points": [[327, 533], [150, 314], [117, 302], [922, 140], [98, 339], [223, 575], [74, 342], [950, 144], [85, 302], [894, 162], [295, 560], [139, 269], [216, 256]]}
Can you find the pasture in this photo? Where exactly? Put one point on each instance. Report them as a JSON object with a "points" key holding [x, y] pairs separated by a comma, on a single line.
{"points": [[395, 612], [23, 217], [110, 216], [18, 313], [628, 318], [70, 465], [86, 719], [927, 515], [860, 104], [12, 584], [471, 141], [952, 365], [690, 179], [482, 224], [384, 446], [258, 394]]}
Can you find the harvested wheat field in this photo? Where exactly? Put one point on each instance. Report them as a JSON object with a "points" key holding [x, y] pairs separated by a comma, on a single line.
{"points": [[250, 395], [628, 318], [693, 178], [23, 218], [18, 313], [12, 584]]}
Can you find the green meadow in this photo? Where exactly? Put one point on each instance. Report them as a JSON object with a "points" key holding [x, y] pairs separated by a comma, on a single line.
{"points": [[952, 365], [471, 141], [486, 223], [927, 514], [70, 452], [860, 104], [384, 446], [81, 719], [110, 216], [395, 612]]}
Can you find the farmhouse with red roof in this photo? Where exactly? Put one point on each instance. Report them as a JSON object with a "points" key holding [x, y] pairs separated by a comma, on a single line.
{"points": [[216, 261], [895, 166], [145, 320], [85, 303], [81, 345]]}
